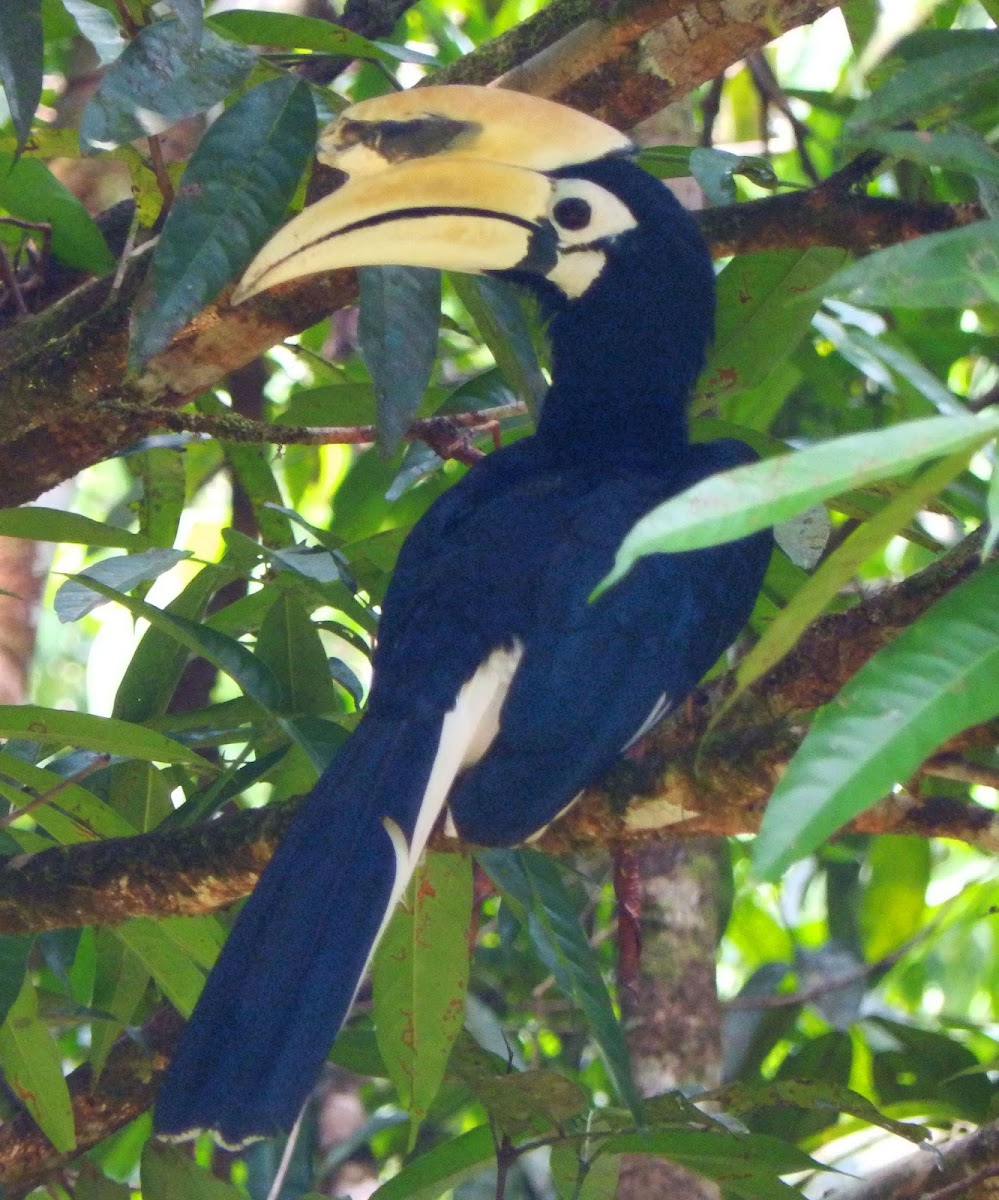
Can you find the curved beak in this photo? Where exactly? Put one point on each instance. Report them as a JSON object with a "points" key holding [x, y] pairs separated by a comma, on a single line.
{"points": [[447, 177]]}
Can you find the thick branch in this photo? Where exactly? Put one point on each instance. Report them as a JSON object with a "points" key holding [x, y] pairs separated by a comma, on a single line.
{"points": [[665, 794]]}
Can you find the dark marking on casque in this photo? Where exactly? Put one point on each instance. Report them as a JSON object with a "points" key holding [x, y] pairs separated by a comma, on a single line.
{"points": [[397, 141]]}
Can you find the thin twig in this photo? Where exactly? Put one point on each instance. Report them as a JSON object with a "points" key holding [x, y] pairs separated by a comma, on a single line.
{"points": [[953, 766], [99, 761], [963, 1185], [127, 21], [163, 180]]}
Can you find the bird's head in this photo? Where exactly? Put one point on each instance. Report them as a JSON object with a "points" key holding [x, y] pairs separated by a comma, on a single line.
{"points": [[484, 180]]}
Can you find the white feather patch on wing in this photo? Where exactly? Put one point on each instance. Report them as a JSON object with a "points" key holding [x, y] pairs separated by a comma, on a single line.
{"points": [[659, 710], [467, 732]]}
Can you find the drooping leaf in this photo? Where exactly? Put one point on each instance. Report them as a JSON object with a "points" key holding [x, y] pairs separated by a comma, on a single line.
{"points": [[937, 678], [237, 660], [235, 190], [290, 645], [57, 727], [160, 78], [420, 976], [32, 1066], [715, 171], [123, 573], [955, 269], [400, 315], [496, 311], [29, 190], [42, 524], [745, 499], [119, 985], [178, 976], [530, 884], [191, 14], [161, 471], [21, 62]]}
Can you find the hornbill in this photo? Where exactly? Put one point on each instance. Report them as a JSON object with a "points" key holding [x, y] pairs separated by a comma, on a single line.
{"points": [[500, 689]]}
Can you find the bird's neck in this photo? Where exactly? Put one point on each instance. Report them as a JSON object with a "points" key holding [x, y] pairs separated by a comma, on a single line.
{"points": [[620, 388]]}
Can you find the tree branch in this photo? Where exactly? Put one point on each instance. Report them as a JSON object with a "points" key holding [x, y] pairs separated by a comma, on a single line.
{"points": [[678, 788], [68, 403]]}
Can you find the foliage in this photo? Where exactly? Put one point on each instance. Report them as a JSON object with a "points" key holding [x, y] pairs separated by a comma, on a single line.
{"points": [[863, 990]]}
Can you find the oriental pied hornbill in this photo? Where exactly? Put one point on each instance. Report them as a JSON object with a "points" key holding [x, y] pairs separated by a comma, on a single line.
{"points": [[500, 691]]}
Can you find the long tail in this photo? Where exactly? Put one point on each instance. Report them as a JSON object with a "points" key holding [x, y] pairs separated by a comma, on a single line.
{"points": [[289, 971]]}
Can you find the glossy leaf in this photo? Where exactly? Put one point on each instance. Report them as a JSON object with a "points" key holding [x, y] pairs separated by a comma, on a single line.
{"points": [[420, 977], [400, 316], [32, 1067], [123, 573], [21, 62], [236, 189], [99, 27], [57, 727], [937, 678], [29, 190], [745, 499], [160, 78], [955, 269], [530, 883], [290, 645]]}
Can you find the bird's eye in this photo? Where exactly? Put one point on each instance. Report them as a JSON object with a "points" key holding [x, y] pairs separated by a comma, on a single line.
{"points": [[573, 212]]}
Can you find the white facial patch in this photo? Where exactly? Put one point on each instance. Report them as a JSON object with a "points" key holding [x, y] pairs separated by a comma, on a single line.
{"points": [[584, 216]]}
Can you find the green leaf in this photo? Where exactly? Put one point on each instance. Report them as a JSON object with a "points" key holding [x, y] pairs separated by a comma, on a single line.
{"points": [[844, 562], [119, 985], [161, 472], [14, 953], [169, 1172], [531, 885], [893, 903], [420, 977], [296, 33], [21, 62], [123, 573], [158, 661], [765, 308], [73, 814], [290, 645], [99, 27], [992, 509], [400, 316], [937, 678], [159, 79], [931, 85], [747, 1167], [955, 269], [230, 656], [741, 501], [442, 1167], [235, 190], [106, 735], [496, 311], [53, 525], [29, 190], [577, 1176], [32, 1066], [957, 149], [179, 978], [715, 171]]}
